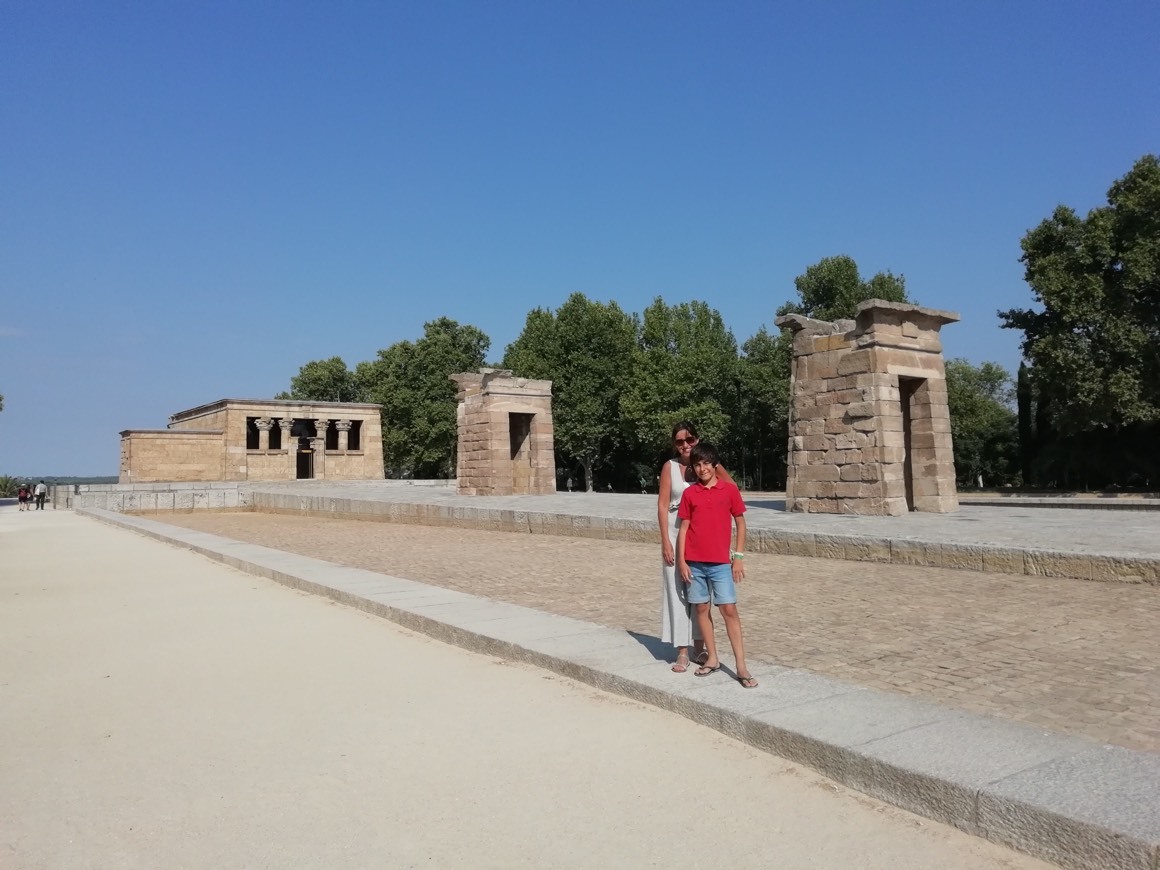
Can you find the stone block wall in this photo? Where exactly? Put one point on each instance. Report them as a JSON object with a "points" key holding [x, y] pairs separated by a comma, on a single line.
{"points": [[869, 422], [210, 442], [506, 441]]}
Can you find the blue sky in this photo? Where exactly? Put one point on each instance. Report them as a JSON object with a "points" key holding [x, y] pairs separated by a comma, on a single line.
{"points": [[197, 198]]}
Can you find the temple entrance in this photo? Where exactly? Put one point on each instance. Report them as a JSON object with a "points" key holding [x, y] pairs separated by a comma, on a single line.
{"points": [[907, 387], [305, 460]]}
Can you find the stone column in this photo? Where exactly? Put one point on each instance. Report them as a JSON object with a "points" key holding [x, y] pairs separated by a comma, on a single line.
{"points": [[343, 427], [319, 445], [264, 425], [286, 424]]}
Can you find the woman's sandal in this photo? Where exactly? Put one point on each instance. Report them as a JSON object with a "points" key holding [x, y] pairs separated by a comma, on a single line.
{"points": [[682, 664]]}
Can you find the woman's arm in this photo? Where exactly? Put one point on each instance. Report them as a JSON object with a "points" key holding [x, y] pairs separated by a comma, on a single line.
{"points": [[664, 493], [682, 565], [724, 475]]}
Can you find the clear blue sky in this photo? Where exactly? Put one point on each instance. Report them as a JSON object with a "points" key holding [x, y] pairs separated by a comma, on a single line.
{"points": [[196, 198]]}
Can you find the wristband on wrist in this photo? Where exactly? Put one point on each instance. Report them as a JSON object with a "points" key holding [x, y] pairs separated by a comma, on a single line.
{"points": [[736, 555]]}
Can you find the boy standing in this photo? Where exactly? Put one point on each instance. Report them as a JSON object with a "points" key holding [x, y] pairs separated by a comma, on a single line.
{"points": [[707, 513]]}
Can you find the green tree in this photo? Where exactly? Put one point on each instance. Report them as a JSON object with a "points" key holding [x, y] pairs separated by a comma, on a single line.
{"points": [[983, 424], [832, 288], [1095, 345], [764, 409], [412, 381], [1093, 342], [586, 350], [325, 380], [684, 367]]}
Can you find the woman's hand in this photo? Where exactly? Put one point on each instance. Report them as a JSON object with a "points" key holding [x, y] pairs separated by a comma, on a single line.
{"points": [[667, 551]]}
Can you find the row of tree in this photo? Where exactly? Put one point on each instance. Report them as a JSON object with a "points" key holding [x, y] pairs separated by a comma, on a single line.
{"points": [[1085, 412], [620, 380]]}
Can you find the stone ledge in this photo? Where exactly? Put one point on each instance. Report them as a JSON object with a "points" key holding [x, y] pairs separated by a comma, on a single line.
{"points": [[1059, 798], [850, 547]]}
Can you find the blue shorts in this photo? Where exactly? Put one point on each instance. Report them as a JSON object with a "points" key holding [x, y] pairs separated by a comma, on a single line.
{"points": [[715, 576]]}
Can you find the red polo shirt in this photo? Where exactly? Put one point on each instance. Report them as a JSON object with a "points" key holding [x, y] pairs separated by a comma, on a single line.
{"points": [[710, 511]]}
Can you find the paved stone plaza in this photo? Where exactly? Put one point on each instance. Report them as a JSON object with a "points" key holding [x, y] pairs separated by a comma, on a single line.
{"points": [[1073, 656]]}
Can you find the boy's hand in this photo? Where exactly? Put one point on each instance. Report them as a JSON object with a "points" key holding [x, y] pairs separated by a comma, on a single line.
{"points": [[683, 570], [738, 570]]}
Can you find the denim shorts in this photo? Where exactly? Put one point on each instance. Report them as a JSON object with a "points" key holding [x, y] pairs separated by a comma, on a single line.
{"points": [[717, 576]]}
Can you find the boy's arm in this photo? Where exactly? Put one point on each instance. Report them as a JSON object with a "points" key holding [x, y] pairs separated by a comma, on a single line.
{"points": [[682, 565], [739, 561]]}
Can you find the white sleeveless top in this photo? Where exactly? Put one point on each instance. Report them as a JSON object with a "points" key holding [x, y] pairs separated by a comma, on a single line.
{"points": [[677, 483]]}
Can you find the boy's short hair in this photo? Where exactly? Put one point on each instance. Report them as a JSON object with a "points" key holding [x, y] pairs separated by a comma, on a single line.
{"points": [[703, 451]]}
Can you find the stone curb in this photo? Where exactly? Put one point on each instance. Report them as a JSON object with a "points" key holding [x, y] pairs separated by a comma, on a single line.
{"points": [[1059, 798], [855, 548]]}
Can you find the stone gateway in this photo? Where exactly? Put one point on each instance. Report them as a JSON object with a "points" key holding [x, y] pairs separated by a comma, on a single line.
{"points": [[870, 429]]}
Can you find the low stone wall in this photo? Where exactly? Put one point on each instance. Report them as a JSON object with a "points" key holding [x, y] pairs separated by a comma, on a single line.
{"points": [[855, 548], [131, 497]]}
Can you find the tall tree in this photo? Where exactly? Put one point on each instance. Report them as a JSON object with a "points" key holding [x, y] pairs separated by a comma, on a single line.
{"points": [[585, 348], [412, 381], [764, 409], [1095, 345], [983, 425], [324, 380], [1093, 342], [832, 288], [684, 367], [1025, 398]]}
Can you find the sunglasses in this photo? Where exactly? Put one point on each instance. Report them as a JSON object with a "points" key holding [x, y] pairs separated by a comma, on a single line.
{"points": [[681, 442]]}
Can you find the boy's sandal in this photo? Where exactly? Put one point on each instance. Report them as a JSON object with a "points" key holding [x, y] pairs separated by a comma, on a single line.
{"points": [[705, 670], [748, 682], [682, 663]]}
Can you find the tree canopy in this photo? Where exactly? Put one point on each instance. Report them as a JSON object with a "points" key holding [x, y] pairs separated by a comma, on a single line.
{"points": [[325, 380], [412, 381], [983, 424], [585, 348], [832, 288], [1093, 342], [684, 368]]}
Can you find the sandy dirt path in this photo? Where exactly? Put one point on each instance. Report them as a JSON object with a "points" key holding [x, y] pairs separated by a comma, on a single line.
{"points": [[158, 710]]}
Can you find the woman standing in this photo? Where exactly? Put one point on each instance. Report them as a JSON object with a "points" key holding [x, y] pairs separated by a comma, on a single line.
{"points": [[677, 625]]}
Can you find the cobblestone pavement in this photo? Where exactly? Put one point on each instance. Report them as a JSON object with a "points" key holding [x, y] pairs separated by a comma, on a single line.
{"points": [[1107, 532], [1068, 655]]}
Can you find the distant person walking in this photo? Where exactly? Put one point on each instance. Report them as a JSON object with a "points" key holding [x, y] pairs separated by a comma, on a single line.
{"points": [[41, 492], [22, 496], [677, 624]]}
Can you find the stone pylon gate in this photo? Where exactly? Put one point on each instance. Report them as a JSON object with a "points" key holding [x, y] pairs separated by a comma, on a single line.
{"points": [[506, 441], [869, 423]]}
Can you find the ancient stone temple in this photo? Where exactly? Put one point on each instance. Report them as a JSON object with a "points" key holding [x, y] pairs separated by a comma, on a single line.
{"points": [[257, 439], [870, 429], [506, 443]]}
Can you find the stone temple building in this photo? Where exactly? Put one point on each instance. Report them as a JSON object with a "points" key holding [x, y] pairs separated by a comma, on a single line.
{"points": [[870, 428], [258, 439]]}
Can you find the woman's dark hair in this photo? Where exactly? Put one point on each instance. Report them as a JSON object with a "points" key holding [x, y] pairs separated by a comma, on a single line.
{"points": [[703, 451], [687, 426]]}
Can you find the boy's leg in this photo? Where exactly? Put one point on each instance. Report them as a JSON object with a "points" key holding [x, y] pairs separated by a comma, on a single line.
{"points": [[706, 622], [733, 629]]}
